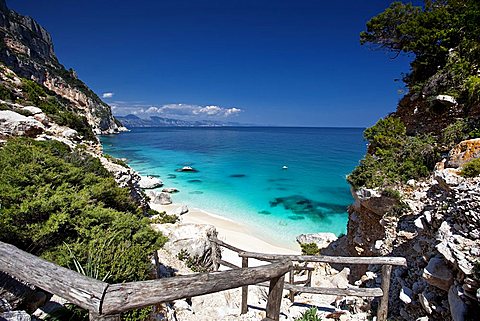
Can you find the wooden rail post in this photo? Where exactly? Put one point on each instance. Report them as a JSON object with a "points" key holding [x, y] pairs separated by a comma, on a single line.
{"points": [[291, 280], [275, 294], [244, 308], [383, 306]]}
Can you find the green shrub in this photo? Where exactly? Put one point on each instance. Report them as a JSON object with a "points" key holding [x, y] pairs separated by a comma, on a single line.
{"points": [[455, 133], [115, 160], [6, 94], [310, 249], [471, 169], [309, 315], [392, 193], [393, 156], [64, 206], [162, 217]]}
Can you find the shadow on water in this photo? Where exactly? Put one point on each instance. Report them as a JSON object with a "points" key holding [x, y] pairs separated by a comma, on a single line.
{"points": [[194, 181], [237, 175], [302, 206], [196, 192]]}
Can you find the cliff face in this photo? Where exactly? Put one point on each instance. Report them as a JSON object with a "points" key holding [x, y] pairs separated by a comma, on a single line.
{"points": [[27, 49]]}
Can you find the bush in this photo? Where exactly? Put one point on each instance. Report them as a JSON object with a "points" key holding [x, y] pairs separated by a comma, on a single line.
{"points": [[64, 206], [309, 315], [471, 169], [310, 249], [392, 193], [393, 156]]}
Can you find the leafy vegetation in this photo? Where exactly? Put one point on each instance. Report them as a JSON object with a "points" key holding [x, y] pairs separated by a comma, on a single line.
{"points": [[162, 217], [393, 156], [310, 249], [115, 160], [309, 315], [443, 37], [193, 263], [63, 205], [471, 169]]}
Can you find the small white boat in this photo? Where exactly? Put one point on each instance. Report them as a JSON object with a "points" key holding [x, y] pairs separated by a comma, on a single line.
{"points": [[285, 167]]}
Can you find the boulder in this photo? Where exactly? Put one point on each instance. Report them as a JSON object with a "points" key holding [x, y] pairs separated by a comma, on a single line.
{"points": [[322, 240], [464, 152], [150, 182], [14, 124], [160, 198], [438, 274], [406, 295], [191, 239], [448, 178], [32, 110], [373, 201], [70, 134], [170, 190], [180, 210]]}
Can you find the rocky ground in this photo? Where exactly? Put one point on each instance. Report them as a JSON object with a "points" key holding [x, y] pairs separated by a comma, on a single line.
{"points": [[436, 226]]}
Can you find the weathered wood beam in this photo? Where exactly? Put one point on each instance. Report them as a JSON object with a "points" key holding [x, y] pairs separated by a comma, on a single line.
{"points": [[274, 300], [225, 245], [383, 306], [228, 264], [79, 289], [361, 292], [244, 306], [327, 259], [126, 296]]}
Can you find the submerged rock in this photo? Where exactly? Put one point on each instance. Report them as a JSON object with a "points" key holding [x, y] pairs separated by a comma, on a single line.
{"points": [[170, 190]]}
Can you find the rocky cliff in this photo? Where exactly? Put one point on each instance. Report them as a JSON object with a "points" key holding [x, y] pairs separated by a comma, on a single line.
{"points": [[27, 49]]}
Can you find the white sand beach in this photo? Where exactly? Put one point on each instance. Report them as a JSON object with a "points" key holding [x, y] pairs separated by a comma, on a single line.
{"points": [[232, 232]]}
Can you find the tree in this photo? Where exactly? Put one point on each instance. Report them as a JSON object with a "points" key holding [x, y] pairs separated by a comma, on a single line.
{"points": [[440, 34]]}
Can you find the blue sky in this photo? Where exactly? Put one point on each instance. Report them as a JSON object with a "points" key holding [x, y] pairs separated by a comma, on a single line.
{"points": [[275, 62]]}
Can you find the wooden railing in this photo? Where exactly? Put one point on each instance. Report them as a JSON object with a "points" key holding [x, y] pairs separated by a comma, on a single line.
{"points": [[295, 288], [106, 301]]}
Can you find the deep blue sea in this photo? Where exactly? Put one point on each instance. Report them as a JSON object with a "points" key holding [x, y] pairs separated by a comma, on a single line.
{"points": [[240, 173]]}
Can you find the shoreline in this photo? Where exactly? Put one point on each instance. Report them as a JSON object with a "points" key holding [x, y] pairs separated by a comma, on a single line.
{"points": [[231, 231]]}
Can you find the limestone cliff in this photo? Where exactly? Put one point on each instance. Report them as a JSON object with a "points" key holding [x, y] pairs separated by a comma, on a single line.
{"points": [[27, 48]]}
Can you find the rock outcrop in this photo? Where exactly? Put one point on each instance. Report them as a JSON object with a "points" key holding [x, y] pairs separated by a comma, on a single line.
{"points": [[436, 226], [27, 48]]}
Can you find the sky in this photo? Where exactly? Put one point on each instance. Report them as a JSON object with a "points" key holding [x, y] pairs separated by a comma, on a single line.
{"points": [[263, 62]]}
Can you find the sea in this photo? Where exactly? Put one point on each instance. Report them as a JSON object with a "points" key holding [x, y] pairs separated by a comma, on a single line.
{"points": [[279, 182]]}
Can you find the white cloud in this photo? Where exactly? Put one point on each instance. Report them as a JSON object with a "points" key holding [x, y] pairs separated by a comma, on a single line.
{"points": [[107, 95], [181, 111]]}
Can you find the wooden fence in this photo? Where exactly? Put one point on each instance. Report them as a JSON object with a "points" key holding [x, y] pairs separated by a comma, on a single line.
{"points": [[106, 301], [294, 287]]}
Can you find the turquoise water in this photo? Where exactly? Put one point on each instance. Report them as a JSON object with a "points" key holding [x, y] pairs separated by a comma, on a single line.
{"points": [[240, 173]]}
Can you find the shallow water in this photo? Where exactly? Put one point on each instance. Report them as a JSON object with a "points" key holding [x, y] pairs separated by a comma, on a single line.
{"points": [[240, 174]]}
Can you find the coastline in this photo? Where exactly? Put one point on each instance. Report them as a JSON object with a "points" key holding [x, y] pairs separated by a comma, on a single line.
{"points": [[231, 232]]}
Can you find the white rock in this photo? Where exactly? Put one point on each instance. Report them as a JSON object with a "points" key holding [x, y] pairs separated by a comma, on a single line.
{"points": [[70, 134], [181, 210], [424, 303], [406, 295], [170, 190], [321, 239], [160, 198], [33, 110], [378, 244], [411, 182], [150, 182], [193, 238], [14, 124], [447, 100], [418, 223]]}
